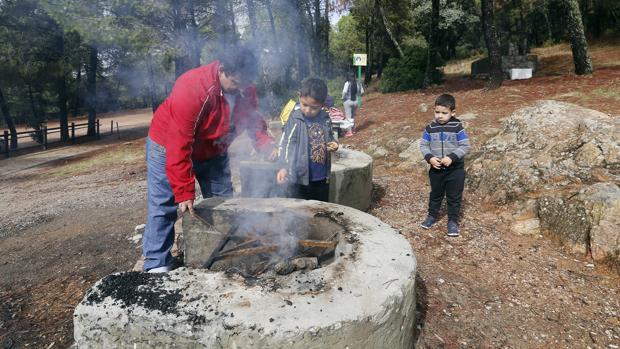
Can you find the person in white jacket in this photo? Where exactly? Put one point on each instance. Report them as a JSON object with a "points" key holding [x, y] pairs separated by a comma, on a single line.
{"points": [[351, 90]]}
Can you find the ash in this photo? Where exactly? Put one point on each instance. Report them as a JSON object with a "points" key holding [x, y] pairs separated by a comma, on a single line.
{"points": [[136, 288]]}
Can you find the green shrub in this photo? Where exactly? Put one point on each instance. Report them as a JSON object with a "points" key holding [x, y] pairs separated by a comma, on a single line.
{"points": [[407, 73]]}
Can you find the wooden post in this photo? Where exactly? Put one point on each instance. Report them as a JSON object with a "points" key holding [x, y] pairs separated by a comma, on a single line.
{"points": [[98, 124], [6, 143], [73, 132], [111, 127], [118, 132], [45, 137]]}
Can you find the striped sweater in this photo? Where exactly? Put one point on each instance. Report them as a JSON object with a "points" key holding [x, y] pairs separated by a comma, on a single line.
{"points": [[449, 139]]}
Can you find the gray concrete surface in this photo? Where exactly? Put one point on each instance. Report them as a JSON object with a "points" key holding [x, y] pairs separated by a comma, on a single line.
{"points": [[350, 179], [364, 299]]}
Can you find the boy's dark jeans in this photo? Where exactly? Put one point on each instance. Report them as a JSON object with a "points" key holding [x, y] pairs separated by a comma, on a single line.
{"points": [[449, 182], [318, 190]]}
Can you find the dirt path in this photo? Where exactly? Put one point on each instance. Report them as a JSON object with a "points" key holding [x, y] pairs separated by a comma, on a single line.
{"points": [[66, 223]]}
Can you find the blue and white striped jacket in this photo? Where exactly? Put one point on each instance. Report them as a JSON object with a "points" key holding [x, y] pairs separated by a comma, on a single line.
{"points": [[449, 139]]}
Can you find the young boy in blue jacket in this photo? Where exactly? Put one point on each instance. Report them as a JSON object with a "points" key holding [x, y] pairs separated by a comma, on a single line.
{"points": [[307, 140], [444, 144]]}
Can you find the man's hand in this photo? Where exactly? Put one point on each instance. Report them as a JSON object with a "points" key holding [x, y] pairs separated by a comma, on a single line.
{"points": [[282, 176], [435, 162], [446, 161], [187, 206], [273, 155], [332, 146]]}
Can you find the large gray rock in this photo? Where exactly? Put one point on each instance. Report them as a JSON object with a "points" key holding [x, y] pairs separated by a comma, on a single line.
{"points": [[545, 146], [565, 157]]}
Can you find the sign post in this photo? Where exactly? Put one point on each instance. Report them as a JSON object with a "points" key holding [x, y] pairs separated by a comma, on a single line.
{"points": [[359, 60]]}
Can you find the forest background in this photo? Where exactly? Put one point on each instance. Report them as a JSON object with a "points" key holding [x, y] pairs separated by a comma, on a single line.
{"points": [[65, 58]]}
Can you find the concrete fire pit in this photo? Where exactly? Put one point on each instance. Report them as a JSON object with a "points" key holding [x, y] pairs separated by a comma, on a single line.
{"points": [[350, 183], [362, 297]]}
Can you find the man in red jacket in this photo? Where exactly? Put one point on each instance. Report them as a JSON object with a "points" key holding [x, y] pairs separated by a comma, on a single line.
{"points": [[188, 140]]}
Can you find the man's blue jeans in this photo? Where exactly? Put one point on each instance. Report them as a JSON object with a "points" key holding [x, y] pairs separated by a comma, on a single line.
{"points": [[213, 176]]}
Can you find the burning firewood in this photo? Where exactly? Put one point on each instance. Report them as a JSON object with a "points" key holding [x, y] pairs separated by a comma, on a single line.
{"points": [[317, 243], [244, 244], [307, 263], [284, 267], [247, 251], [288, 266]]}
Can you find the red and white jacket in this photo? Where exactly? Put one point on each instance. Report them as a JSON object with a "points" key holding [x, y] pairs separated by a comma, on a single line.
{"points": [[193, 123]]}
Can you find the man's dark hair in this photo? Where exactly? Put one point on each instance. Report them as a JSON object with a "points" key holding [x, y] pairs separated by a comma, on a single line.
{"points": [[239, 60], [446, 100], [315, 88]]}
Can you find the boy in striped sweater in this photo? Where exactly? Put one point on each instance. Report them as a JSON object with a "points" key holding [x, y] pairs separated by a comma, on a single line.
{"points": [[444, 144]]}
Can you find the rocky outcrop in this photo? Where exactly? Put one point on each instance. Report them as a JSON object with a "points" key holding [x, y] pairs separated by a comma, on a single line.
{"points": [[588, 221], [566, 160], [548, 145]]}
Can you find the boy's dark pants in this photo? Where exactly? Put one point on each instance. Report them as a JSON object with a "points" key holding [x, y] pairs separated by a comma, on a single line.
{"points": [[448, 182], [318, 190]]}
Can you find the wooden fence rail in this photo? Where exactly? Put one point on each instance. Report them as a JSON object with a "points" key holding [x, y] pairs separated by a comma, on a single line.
{"points": [[40, 136]]}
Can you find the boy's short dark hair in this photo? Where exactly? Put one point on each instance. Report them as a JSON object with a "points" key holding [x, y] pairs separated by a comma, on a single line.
{"points": [[315, 88], [239, 60], [446, 100]]}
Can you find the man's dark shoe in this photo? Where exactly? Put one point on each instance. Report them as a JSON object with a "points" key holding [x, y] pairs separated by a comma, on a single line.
{"points": [[453, 229], [428, 222]]}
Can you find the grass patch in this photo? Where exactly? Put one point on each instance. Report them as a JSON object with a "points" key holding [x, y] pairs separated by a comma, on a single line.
{"points": [[607, 93], [128, 153], [574, 94]]}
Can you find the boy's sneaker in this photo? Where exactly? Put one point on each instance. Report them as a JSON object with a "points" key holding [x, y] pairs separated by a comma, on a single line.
{"points": [[428, 222], [453, 229]]}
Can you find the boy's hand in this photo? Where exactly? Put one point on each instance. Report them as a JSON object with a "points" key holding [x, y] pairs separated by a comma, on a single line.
{"points": [[332, 146], [282, 176], [446, 161], [435, 162]]}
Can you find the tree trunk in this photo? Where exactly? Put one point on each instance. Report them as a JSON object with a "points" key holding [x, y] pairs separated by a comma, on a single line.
{"points": [[182, 60], [545, 12], [197, 43], [490, 37], [303, 62], [8, 120], [389, 31], [579, 45], [154, 103], [326, 26], [523, 43], [62, 108], [252, 17], [222, 25], [431, 57], [368, 70], [317, 38], [62, 91], [231, 14], [78, 91], [91, 89], [272, 23]]}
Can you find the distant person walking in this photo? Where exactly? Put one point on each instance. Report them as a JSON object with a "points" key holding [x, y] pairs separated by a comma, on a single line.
{"points": [[188, 140], [351, 90]]}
